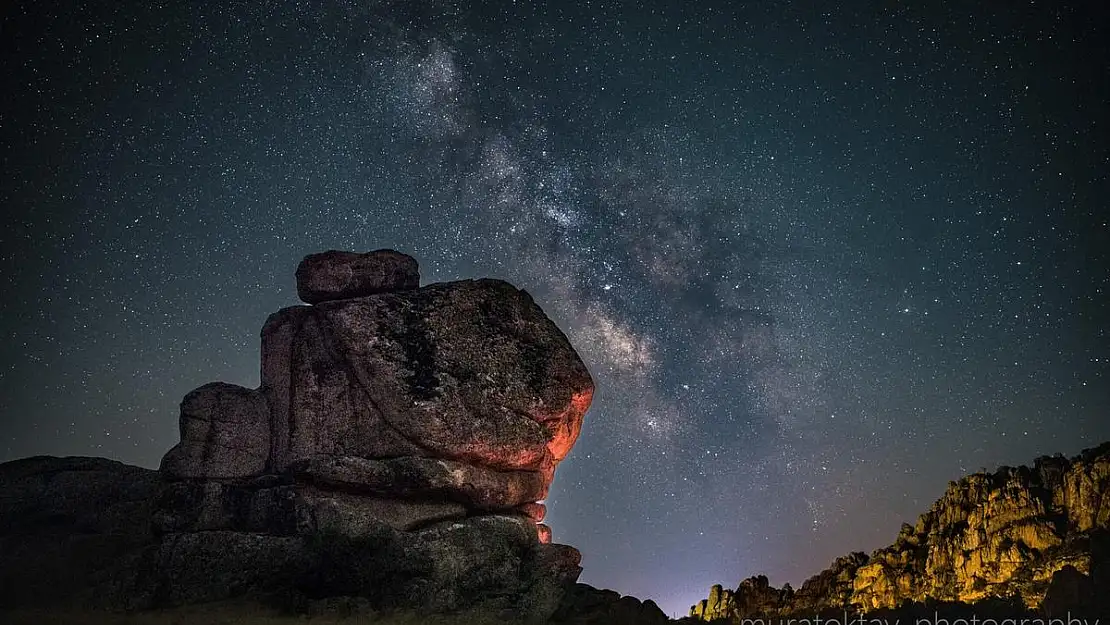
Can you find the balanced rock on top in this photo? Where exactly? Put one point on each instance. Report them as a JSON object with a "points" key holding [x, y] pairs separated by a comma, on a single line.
{"points": [[336, 275]]}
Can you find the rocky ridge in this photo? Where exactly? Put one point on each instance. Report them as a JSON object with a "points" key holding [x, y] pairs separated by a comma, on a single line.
{"points": [[1034, 536]]}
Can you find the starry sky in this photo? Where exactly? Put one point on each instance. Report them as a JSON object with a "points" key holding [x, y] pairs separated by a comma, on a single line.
{"points": [[819, 262]]}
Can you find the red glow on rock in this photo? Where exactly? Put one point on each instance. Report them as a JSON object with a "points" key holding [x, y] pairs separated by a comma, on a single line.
{"points": [[565, 426]]}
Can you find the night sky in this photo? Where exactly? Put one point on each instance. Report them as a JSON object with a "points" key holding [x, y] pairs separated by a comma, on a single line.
{"points": [[819, 263]]}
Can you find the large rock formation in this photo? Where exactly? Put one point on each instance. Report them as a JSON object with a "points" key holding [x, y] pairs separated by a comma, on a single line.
{"points": [[1033, 535], [832, 587], [398, 449], [402, 404], [995, 535]]}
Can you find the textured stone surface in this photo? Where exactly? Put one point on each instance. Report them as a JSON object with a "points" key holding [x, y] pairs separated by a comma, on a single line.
{"points": [[990, 537], [287, 509], [225, 433], [565, 561], [338, 275], [460, 392], [717, 606], [77, 530], [544, 533], [263, 505], [993, 535], [356, 515], [200, 567], [426, 478], [754, 595], [203, 505], [471, 371], [489, 562], [535, 511], [832, 586]]}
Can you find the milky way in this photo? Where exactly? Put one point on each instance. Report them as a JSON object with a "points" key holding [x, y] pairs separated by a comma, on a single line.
{"points": [[819, 264]]}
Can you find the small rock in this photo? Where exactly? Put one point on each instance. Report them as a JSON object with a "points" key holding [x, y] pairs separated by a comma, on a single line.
{"points": [[336, 275], [534, 510]]}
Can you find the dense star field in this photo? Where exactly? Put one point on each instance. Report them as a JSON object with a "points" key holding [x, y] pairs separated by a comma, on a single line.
{"points": [[819, 264]]}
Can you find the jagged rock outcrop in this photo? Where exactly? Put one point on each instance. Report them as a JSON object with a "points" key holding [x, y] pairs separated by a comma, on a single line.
{"points": [[398, 449], [1035, 535], [717, 606], [754, 595], [831, 587], [413, 415], [995, 535]]}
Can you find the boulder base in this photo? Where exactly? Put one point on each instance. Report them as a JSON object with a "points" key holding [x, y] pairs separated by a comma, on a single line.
{"points": [[474, 486]]}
